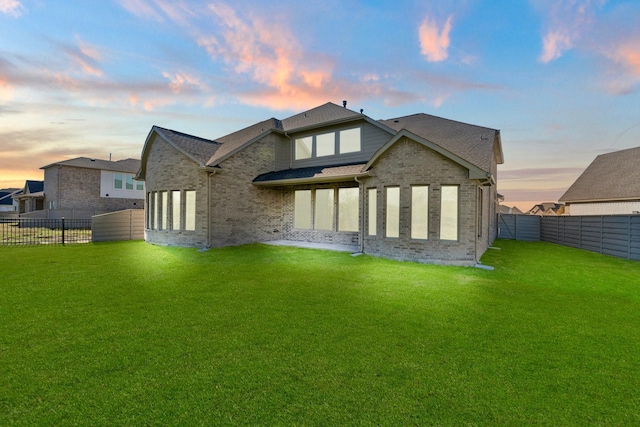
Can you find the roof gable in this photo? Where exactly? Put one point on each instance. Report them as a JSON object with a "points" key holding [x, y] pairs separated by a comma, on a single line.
{"points": [[475, 144], [612, 176], [195, 148], [474, 171], [236, 141]]}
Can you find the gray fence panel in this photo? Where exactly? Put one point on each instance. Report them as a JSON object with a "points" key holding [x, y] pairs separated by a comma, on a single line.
{"points": [[615, 235], [519, 227]]}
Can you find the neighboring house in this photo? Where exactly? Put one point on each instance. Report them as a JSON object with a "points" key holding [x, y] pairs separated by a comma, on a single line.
{"points": [[510, 210], [609, 185], [545, 209], [32, 197], [92, 186], [7, 201], [419, 187]]}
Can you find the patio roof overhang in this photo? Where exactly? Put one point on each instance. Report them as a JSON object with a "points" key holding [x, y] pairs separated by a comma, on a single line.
{"points": [[311, 175]]}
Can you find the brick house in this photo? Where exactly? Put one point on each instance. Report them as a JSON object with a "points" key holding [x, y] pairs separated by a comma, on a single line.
{"points": [[31, 198], [83, 187], [418, 188]]}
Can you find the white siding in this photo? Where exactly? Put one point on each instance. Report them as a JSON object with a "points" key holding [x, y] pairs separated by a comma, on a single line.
{"points": [[610, 208]]}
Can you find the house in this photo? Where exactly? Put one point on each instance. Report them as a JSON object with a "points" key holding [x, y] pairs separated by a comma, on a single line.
{"points": [[609, 185], [504, 209], [546, 209], [89, 186], [7, 201], [418, 187], [32, 197]]}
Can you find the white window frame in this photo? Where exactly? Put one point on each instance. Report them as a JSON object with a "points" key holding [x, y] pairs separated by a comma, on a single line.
{"points": [[420, 212], [392, 212], [449, 212]]}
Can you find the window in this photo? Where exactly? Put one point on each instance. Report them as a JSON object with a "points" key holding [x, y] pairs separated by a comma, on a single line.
{"points": [[175, 210], [326, 144], [393, 212], [480, 207], [302, 209], [150, 208], [349, 141], [348, 209], [420, 212], [154, 225], [324, 209], [449, 212], [117, 181], [139, 185], [373, 211], [129, 182], [164, 212], [304, 148], [190, 210]]}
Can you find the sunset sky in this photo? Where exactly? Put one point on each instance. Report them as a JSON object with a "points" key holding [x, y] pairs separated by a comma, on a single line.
{"points": [[560, 79]]}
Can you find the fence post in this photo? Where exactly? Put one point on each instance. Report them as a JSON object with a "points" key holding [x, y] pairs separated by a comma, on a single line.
{"points": [[62, 231]]}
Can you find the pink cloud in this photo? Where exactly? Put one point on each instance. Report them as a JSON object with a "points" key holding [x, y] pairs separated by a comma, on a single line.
{"points": [[434, 42], [11, 7], [566, 22], [181, 81]]}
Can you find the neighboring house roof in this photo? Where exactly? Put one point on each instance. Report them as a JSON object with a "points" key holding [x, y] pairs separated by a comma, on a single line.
{"points": [[33, 186], [6, 196], [473, 143], [612, 176], [311, 174], [126, 165], [547, 208], [509, 210]]}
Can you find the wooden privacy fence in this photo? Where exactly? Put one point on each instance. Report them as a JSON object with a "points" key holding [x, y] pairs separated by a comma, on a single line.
{"points": [[616, 235], [121, 225]]}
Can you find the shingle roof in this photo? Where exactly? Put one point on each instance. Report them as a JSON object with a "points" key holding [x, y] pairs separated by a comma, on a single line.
{"points": [[612, 176], [200, 148], [5, 197], [235, 140], [34, 186], [470, 142], [322, 173], [328, 112], [126, 165]]}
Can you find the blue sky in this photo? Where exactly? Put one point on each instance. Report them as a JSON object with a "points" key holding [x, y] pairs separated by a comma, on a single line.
{"points": [[560, 79]]}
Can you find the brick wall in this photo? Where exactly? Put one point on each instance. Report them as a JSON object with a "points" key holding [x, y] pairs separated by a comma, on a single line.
{"points": [[240, 211], [408, 163], [167, 170]]}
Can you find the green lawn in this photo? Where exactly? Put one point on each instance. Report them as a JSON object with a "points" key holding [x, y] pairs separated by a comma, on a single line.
{"points": [[133, 334]]}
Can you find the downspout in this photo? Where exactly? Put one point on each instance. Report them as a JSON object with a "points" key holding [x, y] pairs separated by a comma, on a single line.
{"points": [[361, 227]]}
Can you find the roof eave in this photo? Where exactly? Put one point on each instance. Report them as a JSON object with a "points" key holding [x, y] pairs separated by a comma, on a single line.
{"points": [[309, 180], [611, 200]]}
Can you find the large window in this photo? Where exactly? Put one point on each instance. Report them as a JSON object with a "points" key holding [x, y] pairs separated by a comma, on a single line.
{"points": [[150, 209], [324, 209], [420, 212], [393, 212], [302, 209], [190, 210], [350, 141], [175, 210], [304, 148], [326, 144], [129, 182], [156, 207], [373, 212], [348, 201], [164, 212], [449, 212]]}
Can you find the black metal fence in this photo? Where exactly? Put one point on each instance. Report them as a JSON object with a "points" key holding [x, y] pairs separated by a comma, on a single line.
{"points": [[21, 231]]}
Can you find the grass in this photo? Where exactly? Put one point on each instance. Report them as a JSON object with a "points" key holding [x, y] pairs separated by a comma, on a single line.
{"points": [[133, 334]]}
